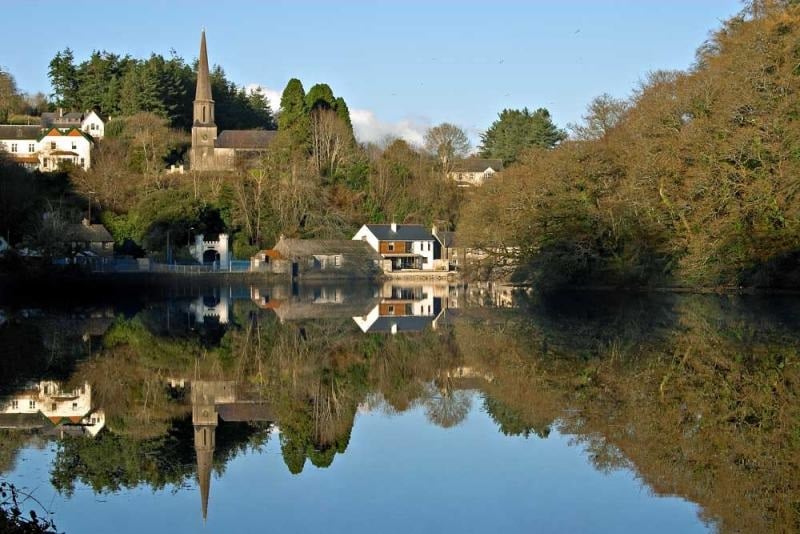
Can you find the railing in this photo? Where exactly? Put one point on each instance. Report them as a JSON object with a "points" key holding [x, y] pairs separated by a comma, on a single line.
{"points": [[109, 265]]}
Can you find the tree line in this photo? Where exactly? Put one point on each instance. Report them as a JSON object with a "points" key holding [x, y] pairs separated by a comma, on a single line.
{"points": [[691, 181]]}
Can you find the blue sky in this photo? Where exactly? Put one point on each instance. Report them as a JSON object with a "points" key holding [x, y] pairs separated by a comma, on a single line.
{"points": [[401, 66]]}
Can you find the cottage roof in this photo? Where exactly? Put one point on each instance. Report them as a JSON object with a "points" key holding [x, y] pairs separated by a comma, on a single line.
{"points": [[402, 232], [245, 411], [400, 324], [477, 165], [23, 421], [54, 118], [446, 238], [92, 233], [10, 131], [245, 139], [293, 248]]}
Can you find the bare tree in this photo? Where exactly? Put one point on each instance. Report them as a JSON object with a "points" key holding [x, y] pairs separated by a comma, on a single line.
{"points": [[331, 141], [602, 114], [447, 142]]}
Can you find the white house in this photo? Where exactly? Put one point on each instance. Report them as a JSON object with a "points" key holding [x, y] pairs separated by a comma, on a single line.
{"points": [[89, 122], [474, 171], [21, 144], [57, 146], [94, 125], [403, 246]]}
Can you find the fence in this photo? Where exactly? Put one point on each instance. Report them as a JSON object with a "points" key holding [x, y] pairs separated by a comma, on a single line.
{"points": [[120, 265]]}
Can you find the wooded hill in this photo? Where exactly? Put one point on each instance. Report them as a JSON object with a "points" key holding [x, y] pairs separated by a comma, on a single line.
{"points": [[691, 181]]}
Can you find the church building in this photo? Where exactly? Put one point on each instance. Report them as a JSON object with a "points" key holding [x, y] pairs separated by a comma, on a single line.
{"points": [[229, 150]]}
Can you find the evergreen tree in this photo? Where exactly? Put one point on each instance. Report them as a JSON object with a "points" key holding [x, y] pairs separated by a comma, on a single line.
{"points": [[515, 130], [293, 105], [64, 79], [320, 96], [343, 112]]}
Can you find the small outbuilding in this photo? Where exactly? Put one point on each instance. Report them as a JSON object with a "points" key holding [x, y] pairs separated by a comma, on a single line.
{"points": [[323, 258]]}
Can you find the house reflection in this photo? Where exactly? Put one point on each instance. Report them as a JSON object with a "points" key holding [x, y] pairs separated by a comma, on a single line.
{"points": [[298, 302], [406, 308], [52, 409]]}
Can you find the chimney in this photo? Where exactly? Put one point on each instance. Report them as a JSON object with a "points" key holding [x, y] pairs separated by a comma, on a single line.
{"points": [[394, 227]]}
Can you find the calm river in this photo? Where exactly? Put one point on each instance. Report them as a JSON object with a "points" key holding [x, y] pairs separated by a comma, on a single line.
{"points": [[403, 408]]}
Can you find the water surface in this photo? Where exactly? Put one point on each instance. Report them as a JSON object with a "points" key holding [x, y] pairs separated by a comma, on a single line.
{"points": [[422, 408]]}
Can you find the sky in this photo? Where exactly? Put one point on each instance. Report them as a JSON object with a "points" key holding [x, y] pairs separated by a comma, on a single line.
{"points": [[402, 66]]}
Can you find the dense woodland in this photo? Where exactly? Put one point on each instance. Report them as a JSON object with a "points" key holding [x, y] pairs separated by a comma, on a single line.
{"points": [[691, 181]]}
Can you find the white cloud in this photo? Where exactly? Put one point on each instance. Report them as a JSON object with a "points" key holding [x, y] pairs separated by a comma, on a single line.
{"points": [[272, 95], [366, 125], [369, 128]]}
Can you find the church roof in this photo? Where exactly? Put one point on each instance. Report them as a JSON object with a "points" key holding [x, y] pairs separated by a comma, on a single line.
{"points": [[245, 139], [203, 81]]}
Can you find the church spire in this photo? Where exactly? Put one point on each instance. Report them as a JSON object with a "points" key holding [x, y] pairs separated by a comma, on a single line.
{"points": [[203, 82]]}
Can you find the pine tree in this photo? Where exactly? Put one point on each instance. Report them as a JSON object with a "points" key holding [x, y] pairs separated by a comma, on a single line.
{"points": [[320, 96], [515, 130], [293, 105], [64, 79]]}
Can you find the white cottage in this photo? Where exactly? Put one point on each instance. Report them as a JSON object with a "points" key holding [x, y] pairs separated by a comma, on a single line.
{"points": [[403, 246], [58, 146], [21, 144], [474, 171]]}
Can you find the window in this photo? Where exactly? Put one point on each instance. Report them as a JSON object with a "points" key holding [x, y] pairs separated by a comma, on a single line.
{"points": [[32, 404], [13, 147], [74, 145], [31, 147], [52, 145], [53, 407], [337, 261], [390, 310], [74, 406], [14, 404], [391, 247], [82, 162]]}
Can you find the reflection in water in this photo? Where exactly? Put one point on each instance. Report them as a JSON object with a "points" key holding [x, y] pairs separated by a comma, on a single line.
{"points": [[696, 395]]}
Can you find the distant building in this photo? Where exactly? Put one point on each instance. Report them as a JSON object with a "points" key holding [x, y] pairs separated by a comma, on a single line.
{"points": [[326, 258], [45, 150], [89, 237], [90, 122], [59, 146], [472, 172], [232, 148], [404, 247], [21, 144]]}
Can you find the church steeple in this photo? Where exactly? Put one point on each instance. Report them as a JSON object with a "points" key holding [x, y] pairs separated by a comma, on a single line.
{"points": [[203, 103]]}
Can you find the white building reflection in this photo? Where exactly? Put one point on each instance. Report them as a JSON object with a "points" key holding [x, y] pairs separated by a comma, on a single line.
{"points": [[49, 407]]}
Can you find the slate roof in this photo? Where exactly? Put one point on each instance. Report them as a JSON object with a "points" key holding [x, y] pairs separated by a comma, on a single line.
{"points": [[53, 118], [245, 139], [23, 421], [245, 412], [293, 248], [477, 165], [447, 238], [403, 324], [93, 233], [22, 133], [405, 232]]}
